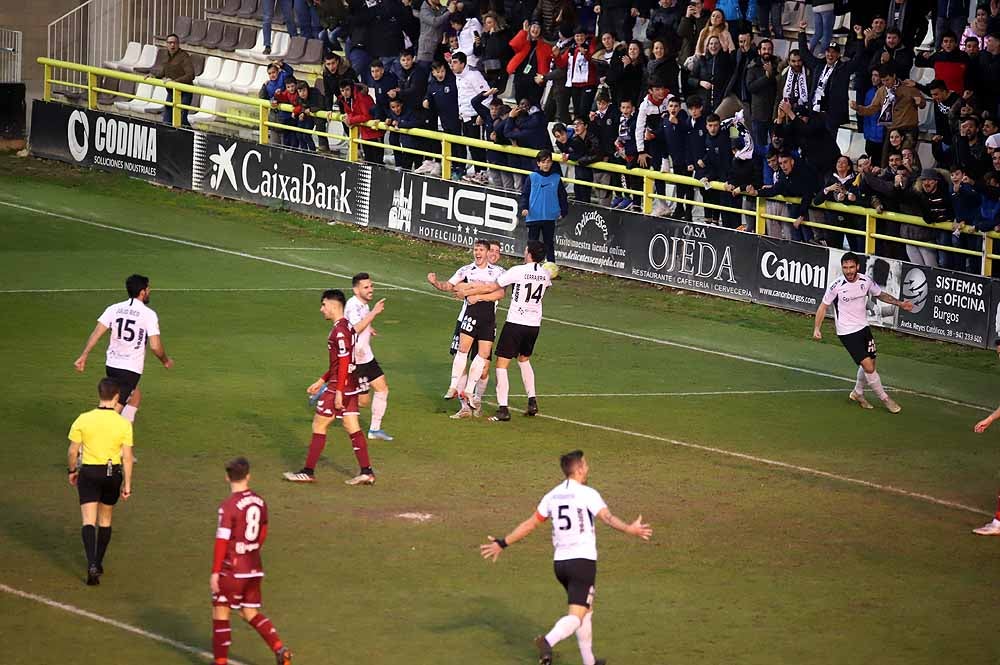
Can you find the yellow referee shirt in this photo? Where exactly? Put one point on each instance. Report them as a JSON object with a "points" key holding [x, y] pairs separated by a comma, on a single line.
{"points": [[102, 432]]}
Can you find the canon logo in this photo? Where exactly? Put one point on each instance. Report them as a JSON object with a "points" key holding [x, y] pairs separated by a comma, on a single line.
{"points": [[793, 272]]}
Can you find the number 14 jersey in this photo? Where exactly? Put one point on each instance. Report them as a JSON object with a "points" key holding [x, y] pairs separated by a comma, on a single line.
{"points": [[572, 507], [530, 281]]}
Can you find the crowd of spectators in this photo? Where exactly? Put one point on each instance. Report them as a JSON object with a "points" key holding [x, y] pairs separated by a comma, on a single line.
{"points": [[692, 87]]}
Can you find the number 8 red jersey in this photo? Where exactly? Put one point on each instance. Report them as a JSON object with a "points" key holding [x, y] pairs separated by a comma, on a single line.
{"points": [[243, 523]]}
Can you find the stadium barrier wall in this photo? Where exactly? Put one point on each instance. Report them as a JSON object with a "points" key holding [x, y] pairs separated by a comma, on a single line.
{"points": [[950, 306]]}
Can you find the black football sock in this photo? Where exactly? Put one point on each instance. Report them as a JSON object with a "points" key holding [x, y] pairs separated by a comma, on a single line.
{"points": [[103, 538], [89, 535]]}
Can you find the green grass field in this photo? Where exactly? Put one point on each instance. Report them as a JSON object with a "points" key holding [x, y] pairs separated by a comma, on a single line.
{"points": [[751, 562]]}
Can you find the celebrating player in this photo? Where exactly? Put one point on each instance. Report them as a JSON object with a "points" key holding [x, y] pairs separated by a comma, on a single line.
{"points": [[478, 324], [236, 567], [572, 506], [369, 374], [132, 324], [991, 528], [524, 319], [849, 296], [105, 440], [340, 397]]}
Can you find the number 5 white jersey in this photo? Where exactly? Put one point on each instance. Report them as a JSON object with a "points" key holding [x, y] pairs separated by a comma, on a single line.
{"points": [[530, 281], [131, 324], [572, 507]]}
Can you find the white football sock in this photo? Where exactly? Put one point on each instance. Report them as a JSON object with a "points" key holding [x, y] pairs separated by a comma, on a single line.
{"points": [[527, 377], [859, 385], [585, 640], [481, 386], [380, 402], [563, 629], [875, 381], [128, 413], [462, 380], [503, 387], [476, 370], [458, 368]]}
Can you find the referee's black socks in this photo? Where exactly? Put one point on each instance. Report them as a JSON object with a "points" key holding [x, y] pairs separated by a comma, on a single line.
{"points": [[103, 538], [89, 535]]}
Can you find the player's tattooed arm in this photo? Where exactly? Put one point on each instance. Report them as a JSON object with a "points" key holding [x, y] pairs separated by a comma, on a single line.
{"points": [[638, 528], [438, 284], [492, 296], [904, 304]]}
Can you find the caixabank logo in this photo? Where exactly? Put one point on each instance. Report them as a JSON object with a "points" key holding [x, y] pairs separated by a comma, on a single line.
{"points": [[307, 183], [112, 142]]}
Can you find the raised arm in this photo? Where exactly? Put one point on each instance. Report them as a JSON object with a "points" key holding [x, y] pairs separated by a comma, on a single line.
{"points": [[445, 286], [492, 549], [637, 528], [81, 363], [367, 321]]}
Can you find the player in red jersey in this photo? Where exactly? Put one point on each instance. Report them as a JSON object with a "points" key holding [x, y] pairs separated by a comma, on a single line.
{"points": [[237, 569], [340, 397]]}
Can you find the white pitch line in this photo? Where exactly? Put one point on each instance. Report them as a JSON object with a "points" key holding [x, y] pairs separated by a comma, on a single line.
{"points": [[696, 394], [185, 290], [775, 463], [574, 324], [720, 451], [72, 609], [303, 249]]}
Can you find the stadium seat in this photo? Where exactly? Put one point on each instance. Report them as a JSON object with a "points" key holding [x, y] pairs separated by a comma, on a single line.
{"points": [[312, 55], [320, 86], [198, 62], [161, 59], [229, 8], [128, 59], [781, 48], [207, 104], [279, 47], [857, 147], [199, 28], [244, 76], [226, 76], [247, 37], [230, 38], [258, 48], [248, 8], [108, 83], [925, 117], [253, 87], [923, 75], [925, 153], [844, 139], [141, 90], [160, 94], [213, 65], [182, 28], [213, 35], [296, 49], [146, 59]]}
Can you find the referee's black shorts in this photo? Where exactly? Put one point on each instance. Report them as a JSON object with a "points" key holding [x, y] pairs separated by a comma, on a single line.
{"points": [[126, 380], [96, 484], [859, 344], [577, 576]]}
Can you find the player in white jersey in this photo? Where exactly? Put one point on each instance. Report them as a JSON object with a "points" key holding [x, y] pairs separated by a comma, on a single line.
{"points": [[849, 296], [529, 282], [133, 325], [572, 506], [478, 325], [370, 376]]}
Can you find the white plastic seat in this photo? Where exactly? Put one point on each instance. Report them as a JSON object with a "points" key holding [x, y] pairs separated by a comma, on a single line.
{"points": [[244, 76], [213, 66], [251, 89], [146, 59], [208, 104], [279, 47], [844, 139], [925, 153], [226, 76], [781, 47], [141, 90], [857, 145], [258, 48], [128, 59], [160, 94]]}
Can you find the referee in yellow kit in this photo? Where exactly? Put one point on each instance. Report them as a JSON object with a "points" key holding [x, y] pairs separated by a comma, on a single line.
{"points": [[105, 440]]}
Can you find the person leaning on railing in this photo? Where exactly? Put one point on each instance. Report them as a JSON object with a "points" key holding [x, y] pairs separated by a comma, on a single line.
{"points": [[277, 72], [179, 69], [928, 197], [800, 180], [842, 186]]}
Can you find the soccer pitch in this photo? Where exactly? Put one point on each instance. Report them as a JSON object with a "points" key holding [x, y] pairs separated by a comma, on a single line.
{"points": [[790, 526]]}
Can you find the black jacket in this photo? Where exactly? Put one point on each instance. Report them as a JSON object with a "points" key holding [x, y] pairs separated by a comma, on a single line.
{"points": [[836, 93], [716, 69], [763, 90], [802, 181]]}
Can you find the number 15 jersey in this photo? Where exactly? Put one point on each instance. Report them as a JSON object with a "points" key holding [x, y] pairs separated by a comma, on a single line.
{"points": [[131, 323], [572, 508], [243, 522]]}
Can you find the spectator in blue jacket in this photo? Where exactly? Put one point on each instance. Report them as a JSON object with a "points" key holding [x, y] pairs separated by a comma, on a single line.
{"points": [[965, 201], [397, 115], [526, 127], [441, 104], [674, 135], [380, 82], [873, 131], [543, 201], [491, 115]]}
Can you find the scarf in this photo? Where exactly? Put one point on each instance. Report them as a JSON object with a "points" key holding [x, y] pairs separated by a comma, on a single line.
{"points": [[888, 104], [821, 86], [579, 67], [796, 89], [738, 133]]}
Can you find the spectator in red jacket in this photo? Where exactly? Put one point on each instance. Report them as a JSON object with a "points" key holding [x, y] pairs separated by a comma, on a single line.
{"points": [[532, 56], [286, 95], [356, 105], [581, 72], [950, 64]]}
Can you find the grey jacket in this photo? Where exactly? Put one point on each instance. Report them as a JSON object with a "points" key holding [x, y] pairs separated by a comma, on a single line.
{"points": [[433, 23]]}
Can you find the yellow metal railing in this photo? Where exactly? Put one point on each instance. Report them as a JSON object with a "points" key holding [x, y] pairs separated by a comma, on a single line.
{"points": [[646, 194]]}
